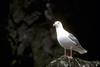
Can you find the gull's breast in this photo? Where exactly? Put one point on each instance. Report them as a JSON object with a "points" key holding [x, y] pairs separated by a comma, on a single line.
{"points": [[65, 41]]}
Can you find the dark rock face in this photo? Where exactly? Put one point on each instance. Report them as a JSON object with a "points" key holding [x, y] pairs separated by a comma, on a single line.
{"points": [[29, 34], [75, 62]]}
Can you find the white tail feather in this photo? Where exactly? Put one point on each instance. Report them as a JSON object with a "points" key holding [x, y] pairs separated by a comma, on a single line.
{"points": [[80, 50]]}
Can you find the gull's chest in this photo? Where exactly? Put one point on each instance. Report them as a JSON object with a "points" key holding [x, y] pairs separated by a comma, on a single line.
{"points": [[62, 35], [63, 39]]}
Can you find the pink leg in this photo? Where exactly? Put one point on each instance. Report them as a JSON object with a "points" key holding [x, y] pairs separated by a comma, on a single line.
{"points": [[70, 53], [65, 53]]}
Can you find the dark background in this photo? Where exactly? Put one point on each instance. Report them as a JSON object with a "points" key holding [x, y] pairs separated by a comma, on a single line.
{"points": [[78, 17]]}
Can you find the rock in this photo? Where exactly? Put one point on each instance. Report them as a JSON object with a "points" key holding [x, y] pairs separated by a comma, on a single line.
{"points": [[75, 62]]}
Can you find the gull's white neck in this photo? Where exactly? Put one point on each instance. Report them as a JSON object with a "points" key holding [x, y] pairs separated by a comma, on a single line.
{"points": [[60, 28], [61, 31]]}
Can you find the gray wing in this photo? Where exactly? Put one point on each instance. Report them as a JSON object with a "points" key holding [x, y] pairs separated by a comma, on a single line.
{"points": [[80, 49], [73, 38]]}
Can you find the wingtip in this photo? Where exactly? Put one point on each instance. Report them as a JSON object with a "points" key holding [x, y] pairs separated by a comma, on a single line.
{"points": [[83, 52]]}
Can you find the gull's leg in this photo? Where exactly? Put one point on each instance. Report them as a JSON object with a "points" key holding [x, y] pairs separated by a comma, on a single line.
{"points": [[70, 53], [65, 53]]}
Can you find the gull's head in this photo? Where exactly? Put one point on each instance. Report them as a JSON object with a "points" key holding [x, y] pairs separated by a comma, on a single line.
{"points": [[57, 24]]}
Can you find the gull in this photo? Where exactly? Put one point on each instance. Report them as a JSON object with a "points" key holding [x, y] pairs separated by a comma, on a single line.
{"points": [[67, 40]]}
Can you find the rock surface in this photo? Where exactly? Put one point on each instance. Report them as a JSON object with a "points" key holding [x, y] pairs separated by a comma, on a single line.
{"points": [[75, 62]]}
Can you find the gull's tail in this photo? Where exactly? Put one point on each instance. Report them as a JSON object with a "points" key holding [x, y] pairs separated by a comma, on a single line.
{"points": [[80, 49]]}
